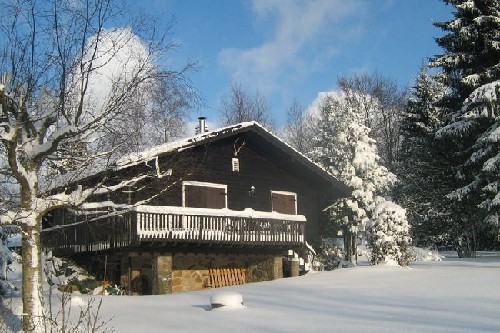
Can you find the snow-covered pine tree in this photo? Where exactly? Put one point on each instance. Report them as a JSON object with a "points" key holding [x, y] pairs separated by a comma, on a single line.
{"points": [[470, 68], [422, 179], [366, 91], [344, 148]]}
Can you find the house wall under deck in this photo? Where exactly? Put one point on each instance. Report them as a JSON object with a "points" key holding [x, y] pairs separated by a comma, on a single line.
{"points": [[163, 271]]}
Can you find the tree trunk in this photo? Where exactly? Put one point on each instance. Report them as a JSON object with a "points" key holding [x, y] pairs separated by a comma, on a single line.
{"points": [[465, 246], [349, 246], [33, 303]]}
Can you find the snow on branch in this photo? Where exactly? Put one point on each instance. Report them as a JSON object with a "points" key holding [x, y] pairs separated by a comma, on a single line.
{"points": [[481, 103], [492, 164], [128, 182], [463, 192], [79, 196], [108, 208]]}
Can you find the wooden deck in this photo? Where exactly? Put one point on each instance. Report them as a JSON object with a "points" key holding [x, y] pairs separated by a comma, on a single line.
{"points": [[147, 224]]}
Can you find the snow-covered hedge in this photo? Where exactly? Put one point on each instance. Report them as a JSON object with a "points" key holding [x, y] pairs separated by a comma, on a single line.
{"points": [[329, 256], [389, 237]]}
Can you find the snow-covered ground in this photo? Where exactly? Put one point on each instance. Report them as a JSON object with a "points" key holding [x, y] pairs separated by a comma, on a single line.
{"points": [[452, 295]]}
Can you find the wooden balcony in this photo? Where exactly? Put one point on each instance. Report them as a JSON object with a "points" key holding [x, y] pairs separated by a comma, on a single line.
{"points": [[164, 224]]}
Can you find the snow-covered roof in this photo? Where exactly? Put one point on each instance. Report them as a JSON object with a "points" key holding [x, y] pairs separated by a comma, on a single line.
{"points": [[203, 138], [179, 145]]}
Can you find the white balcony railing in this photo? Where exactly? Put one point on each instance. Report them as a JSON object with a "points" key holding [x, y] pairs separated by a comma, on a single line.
{"points": [[174, 224], [218, 225]]}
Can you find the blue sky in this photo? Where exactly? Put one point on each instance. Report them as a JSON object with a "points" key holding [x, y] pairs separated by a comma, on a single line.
{"points": [[292, 50]]}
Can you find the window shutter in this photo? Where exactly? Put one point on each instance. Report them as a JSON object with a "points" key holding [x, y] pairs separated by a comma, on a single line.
{"points": [[284, 203], [205, 197]]}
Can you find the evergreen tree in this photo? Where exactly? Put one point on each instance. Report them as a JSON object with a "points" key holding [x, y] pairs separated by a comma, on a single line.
{"points": [[344, 148], [420, 168], [470, 68], [381, 102]]}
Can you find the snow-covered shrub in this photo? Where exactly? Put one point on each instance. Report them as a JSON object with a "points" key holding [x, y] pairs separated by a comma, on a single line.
{"points": [[68, 276], [330, 255], [11, 237], [389, 236], [6, 258], [420, 254]]}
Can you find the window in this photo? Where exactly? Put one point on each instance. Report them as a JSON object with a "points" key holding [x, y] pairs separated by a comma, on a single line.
{"points": [[284, 202], [204, 195]]}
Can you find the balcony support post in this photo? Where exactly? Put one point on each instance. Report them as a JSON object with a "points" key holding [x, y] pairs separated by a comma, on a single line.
{"points": [[162, 274], [278, 267], [294, 267]]}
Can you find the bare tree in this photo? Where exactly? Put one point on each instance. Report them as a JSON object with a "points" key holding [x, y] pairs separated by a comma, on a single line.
{"points": [[300, 128], [52, 113], [157, 115], [239, 107], [382, 103]]}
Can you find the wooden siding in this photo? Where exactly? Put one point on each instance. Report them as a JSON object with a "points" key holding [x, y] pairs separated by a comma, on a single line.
{"points": [[213, 164]]}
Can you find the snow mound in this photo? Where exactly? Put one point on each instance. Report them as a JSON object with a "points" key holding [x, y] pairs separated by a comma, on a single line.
{"points": [[426, 255], [390, 262], [77, 301], [227, 300]]}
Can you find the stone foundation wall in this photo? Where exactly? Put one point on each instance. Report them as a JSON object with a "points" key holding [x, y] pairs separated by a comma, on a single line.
{"points": [[189, 279], [160, 273], [191, 270]]}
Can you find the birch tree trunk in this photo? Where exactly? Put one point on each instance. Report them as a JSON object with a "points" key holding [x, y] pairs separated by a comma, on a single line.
{"points": [[33, 302], [32, 210]]}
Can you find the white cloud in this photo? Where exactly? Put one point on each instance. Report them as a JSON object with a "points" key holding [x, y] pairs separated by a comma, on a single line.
{"points": [[316, 105], [119, 56], [294, 47]]}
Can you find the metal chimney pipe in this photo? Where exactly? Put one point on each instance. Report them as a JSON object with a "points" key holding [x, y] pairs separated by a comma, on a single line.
{"points": [[202, 125]]}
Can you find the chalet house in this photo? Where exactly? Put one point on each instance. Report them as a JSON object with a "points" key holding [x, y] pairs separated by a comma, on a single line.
{"points": [[222, 207]]}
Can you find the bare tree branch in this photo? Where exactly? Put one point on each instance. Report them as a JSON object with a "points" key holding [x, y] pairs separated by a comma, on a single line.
{"points": [[66, 80], [239, 107]]}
